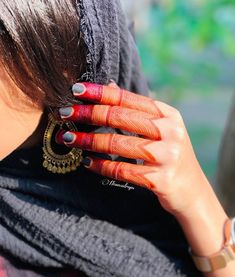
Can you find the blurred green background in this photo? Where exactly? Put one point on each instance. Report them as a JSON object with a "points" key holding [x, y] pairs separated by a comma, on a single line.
{"points": [[188, 55]]}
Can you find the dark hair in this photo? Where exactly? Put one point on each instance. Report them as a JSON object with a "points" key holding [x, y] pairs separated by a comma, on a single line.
{"points": [[41, 48]]}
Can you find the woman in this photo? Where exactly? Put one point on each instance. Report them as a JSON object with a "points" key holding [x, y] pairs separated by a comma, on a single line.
{"points": [[58, 217]]}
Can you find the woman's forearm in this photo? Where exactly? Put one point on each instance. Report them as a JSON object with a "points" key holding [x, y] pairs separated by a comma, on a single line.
{"points": [[203, 226]]}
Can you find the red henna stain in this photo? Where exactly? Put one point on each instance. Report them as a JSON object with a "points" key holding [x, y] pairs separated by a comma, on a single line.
{"points": [[84, 140], [154, 109], [150, 157], [93, 92], [83, 113], [149, 185], [108, 116], [110, 145], [157, 131], [131, 120], [159, 112], [115, 170], [97, 165], [121, 94], [132, 173]]}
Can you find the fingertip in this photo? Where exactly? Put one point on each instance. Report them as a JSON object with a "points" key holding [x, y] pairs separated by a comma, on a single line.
{"points": [[88, 91], [66, 112], [78, 89], [87, 162], [69, 138]]}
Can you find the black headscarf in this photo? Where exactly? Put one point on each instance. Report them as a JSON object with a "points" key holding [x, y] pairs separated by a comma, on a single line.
{"points": [[43, 221]]}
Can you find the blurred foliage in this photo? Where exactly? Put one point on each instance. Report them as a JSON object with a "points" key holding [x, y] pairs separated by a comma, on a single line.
{"points": [[187, 44]]}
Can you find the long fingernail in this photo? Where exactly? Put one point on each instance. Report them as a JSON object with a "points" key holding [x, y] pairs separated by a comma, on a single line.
{"points": [[66, 112], [78, 89], [86, 162], [69, 137]]}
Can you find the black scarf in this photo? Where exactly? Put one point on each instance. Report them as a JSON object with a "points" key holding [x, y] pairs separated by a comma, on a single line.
{"points": [[46, 220]]}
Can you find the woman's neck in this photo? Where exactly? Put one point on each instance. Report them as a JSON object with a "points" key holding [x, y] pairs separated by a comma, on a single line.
{"points": [[37, 137]]}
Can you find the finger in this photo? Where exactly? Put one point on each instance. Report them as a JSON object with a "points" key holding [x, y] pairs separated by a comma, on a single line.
{"points": [[109, 95], [149, 163], [140, 175], [125, 146], [112, 84], [113, 116]]}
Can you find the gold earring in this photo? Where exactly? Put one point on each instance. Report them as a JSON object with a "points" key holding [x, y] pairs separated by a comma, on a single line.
{"points": [[58, 159]]}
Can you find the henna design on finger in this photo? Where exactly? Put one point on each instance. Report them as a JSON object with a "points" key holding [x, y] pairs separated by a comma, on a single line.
{"points": [[136, 174], [83, 114], [88, 91], [132, 121], [109, 95], [133, 147], [125, 146], [117, 117]]}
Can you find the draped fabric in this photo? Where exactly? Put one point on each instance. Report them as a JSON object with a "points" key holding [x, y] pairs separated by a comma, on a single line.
{"points": [[83, 221], [112, 52]]}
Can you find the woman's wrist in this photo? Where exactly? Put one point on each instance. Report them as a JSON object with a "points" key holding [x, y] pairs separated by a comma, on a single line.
{"points": [[203, 223]]}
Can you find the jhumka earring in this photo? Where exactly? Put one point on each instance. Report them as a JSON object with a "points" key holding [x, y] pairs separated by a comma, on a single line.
{"points": [[59, 159]]}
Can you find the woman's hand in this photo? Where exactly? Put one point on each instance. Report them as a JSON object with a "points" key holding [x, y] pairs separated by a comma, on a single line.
{"points": [[170, 167]]}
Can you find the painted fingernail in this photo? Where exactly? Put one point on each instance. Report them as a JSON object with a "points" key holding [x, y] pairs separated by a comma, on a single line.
{"points": [[86, 162], [88, 91], [69, 137], [78, 89], [66, 112]]}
